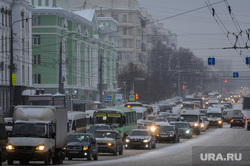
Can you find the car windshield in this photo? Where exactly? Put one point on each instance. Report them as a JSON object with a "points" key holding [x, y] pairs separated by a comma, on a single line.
{"points": [[139, 133], [214, 115], [237, 117], [78, 138], [172, 119], [160, 120], [93, 129], [166, 128], [189, 118], [182, 125], [104, 134], [29, 130]]}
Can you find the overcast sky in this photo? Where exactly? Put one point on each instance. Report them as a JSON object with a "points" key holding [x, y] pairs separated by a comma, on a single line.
{"points": [[198, 29]]}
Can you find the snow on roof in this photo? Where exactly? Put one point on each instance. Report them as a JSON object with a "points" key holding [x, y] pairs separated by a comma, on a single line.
{"points": [[86, 13]]}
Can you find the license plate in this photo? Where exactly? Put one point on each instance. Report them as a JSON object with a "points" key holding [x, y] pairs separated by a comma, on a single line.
{"points": [[237, 121], [73, 152]]}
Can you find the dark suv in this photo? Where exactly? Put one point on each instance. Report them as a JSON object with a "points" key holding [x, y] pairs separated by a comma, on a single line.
{"points": [[238, 120], [109, 141], [168, 133], [81, 145]]}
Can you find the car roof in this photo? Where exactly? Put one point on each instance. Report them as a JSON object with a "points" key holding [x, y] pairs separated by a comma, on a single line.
{"points": [[140, 130], [86, 134], [111, 131]]}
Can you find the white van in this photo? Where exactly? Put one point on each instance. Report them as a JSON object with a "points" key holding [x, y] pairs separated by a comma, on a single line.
{"points": [[214, 115], [141, 113], [77, 121], [193, 117]]}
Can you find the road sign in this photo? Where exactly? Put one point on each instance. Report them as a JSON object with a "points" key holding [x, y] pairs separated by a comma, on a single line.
{"points": [[247, 60], [235, 74], [131, 97], [211, 61], [110, 97], [106, 99], [118, 96]]}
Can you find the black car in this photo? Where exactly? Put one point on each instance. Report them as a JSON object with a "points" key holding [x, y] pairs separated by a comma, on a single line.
{"points": [[185, 129], [248, 124], [167, 133], [94, 128], [0, 157], [238, 120], [81, 145], [140, 138]]}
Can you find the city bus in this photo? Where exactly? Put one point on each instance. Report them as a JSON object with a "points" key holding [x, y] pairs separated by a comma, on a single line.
{"points": [[122, 119]]}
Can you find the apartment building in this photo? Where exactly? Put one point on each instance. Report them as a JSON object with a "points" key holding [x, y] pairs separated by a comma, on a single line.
{"points": [[15, 15], [131, 27]]}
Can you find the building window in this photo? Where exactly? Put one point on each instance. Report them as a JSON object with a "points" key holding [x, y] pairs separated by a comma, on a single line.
{"points": [[115, 17], [124, 44], [124, 18], [138, 44], [37, 78], [37, 59], [37, 39], [124, 31], [36, 21]]}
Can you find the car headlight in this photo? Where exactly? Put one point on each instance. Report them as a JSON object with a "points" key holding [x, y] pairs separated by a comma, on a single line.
{"points": [[153, 129], [202, 125], [145, 141], [196, 124], [187, 131], [85, 148], [64, 148], [171, 135], [219, 121], [10, 147], [109, 144], [40, 147], [127, 140]]}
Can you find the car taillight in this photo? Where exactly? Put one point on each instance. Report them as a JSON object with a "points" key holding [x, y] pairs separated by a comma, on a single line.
{"points": [[244, 118], [248, 121], [232, 121]]}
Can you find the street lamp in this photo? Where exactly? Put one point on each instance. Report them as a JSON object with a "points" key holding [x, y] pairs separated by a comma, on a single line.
{"points": [[12, 64]]}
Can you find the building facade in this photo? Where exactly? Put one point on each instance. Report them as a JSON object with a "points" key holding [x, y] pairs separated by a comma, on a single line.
{"points": [[15, 15], [131, 27], [72, 43]]}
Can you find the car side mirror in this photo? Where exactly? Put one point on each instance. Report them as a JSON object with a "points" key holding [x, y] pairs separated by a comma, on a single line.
{"points": [[53, 135], [200, 121], [118, 137]]}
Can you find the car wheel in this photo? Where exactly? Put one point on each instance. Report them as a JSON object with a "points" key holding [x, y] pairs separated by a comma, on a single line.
{"points": [[175, 140], [69, 158], [149, 145], [231, 126], [47, 159], [96, 156], [248, 128], [154, 145], [115, 152], [198, 132], [89, 157], [178, 139], [10, 162], [121, 150]]}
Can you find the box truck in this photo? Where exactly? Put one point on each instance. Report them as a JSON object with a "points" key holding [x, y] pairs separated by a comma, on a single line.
{"points": [[39, 134]]}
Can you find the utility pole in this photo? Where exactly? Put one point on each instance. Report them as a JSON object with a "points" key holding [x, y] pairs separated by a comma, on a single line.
{"points": [[11, 70], [100, 79], [179, 78], [60, 79]]}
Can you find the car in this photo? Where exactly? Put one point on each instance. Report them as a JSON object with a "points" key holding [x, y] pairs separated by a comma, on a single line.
{"points": [[109, 141], [238, 120], [81, 145], [150, 125], [140, 138], [8, 124], [172, 119], [94, 128], [161, 121], [206, 121], [185, 129], [167, 133], [248, 124]]}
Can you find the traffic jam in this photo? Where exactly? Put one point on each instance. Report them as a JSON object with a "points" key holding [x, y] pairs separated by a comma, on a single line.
{"points": [[115, 131]]}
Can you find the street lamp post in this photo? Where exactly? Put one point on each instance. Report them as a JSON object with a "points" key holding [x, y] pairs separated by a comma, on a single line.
{"points": [[12, 64]]}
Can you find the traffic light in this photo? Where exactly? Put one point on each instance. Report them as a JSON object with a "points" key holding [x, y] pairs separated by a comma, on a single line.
{"points": [[136, 96], [183, 87], [225, 81]]}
